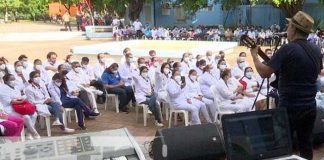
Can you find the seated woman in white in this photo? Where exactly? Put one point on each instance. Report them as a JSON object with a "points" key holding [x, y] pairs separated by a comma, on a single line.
{"points": [[3, 68], [185, 64], [37, 94], [162, 77], [12, 95], [38, 66], [251, 86], [206, 80], [229, 99], [200, 65], [195, 92], [238, 70], [177, 91], [144, 94]]}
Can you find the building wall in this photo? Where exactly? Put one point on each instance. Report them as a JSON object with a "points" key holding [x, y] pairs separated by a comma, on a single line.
{"points": [[259, 15]]}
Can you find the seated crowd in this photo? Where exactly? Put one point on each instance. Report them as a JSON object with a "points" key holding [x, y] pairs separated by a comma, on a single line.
{"points": [[185, 85]]}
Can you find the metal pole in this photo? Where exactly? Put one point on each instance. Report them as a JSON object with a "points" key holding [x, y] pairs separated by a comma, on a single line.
{"points": [[154, 17]]}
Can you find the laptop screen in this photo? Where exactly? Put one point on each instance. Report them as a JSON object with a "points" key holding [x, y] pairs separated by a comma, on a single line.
{"points": [[257, 135]]}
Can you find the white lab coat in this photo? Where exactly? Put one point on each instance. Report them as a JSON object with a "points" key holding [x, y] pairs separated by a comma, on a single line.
{"points": [[185, 68], [237, 71], [178, 100], [88, 71], [29, 68], [249, 84], [143, 87], [206, 80], [127, 72], [224, 98], [47, 63], [78, 78], [151, 73], [161, 81], [21, 85], [37, 96], [199, 71], [98, 70], [195, 91]]}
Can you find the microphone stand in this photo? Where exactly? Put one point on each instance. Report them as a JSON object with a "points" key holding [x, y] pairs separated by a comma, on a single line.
{"points": [[277, 39]]}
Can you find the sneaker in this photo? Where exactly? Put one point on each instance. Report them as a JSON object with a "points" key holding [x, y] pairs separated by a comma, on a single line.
{"points": [[68, 130], [29, 136], [98, 92], [149, 112], [96, 111], [158, 124], [57, 123], [36, 136], [82, 127], [94, 114]]}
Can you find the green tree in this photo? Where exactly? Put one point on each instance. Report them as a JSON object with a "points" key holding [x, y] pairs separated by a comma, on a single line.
{"points": [[8, 6], [35, 8]]}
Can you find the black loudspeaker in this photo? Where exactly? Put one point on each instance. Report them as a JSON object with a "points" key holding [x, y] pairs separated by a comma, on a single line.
{"points": [[318, 131], [197, 142]]}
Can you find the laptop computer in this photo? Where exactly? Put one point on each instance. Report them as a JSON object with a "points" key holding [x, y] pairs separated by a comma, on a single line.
{"points": [[258, 135]]}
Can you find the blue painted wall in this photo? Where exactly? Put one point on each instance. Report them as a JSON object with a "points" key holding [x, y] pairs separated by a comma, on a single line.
{"points": [[260, 15]]}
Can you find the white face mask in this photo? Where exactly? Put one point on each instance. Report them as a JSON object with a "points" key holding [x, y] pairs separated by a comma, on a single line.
{"points": [[39, 67], [156, 64], [222, 66], [37, 80], [142, 65], [2, 67], [166, 70], [114, 72], [242, 65], [249, 74], [130, 60], [186, 59], [84, 66], [19, 69], [178, 79], [58, 84], [144, 74], [12, 83], [209, 57], [25, 64], [194, 78], [78, 70], [102, 60]]}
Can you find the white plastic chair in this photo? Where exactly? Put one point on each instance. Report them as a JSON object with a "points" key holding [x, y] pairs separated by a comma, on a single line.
{"points": [[145, 112], [219, 113], [114, 97], [47, 122], [67, 115], [176, 112]]}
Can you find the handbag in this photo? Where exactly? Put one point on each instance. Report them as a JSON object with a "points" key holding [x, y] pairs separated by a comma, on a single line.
{"points": [[25, 108]]}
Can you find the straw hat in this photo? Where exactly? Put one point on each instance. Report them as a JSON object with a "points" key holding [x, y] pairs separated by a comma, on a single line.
{"points": [[302, 21]]}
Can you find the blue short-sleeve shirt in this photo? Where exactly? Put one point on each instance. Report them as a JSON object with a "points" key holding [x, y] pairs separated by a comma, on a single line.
{"points": [[110, 79]]}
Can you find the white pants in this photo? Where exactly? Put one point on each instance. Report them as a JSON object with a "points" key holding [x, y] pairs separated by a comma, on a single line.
{"points": [[240, 105], [162, 96], [211, 106], [202, 108], [191, 108], [30, 121]]}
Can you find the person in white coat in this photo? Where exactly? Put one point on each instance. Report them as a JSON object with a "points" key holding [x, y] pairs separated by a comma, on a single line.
{"points": [[195, 92], [206, 80], [28, 67], [45, 78], [177, 92], [238, 70], [185, 64], [229, 99], [100, 67], [152, 70], [37, 94], [3, 68], [21, 76], [200, 65], [162, 78], [12, 95], [145, 94], [209, 58], [51, 64]]}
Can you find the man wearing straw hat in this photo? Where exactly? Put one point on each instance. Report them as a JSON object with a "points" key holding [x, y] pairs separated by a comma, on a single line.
{"points": [[298, 64]]}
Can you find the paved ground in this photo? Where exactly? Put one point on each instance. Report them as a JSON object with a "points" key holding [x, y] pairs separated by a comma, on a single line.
{"points": [[109, 119]]}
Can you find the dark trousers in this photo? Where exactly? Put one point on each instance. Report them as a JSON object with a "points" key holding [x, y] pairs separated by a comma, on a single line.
{"points": [[153, 106], [78, 105], [83, 95], [67, 24], [79, 25], [302, 122], [124, 95], [139, 34]]}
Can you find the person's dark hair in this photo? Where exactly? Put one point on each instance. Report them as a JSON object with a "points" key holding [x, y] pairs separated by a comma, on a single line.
{"points": [[175, 65], [201, 62], [73, 64], [142, 68], [192, 71], [152, 51], [16, 63], [21, 57], [241, 54], [31, 76], [60, 66], [182, 59], [68, 57], [246, 68], [37, 60], [85, 59], [98, 55], [126, 50], [7, 77], [62, 78], [225, 73], [49, 54], [112, 66], [207, 68], [163, 66]]}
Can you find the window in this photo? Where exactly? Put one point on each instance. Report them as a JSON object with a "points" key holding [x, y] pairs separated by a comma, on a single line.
{"points": [[180, 13]]}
